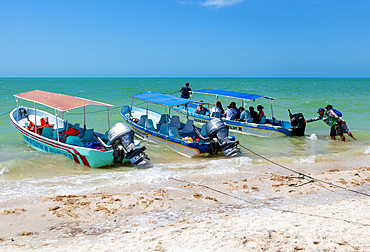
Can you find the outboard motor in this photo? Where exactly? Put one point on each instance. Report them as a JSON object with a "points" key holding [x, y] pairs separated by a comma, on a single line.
{"points": [[218, 132], [121, 138], [298, 124]]}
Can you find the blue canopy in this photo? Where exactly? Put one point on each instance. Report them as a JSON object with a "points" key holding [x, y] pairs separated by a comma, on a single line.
{"points": [[244, 96], [163, 99]]}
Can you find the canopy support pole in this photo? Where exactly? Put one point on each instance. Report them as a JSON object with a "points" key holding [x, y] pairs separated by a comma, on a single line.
{"points": [[17, 108], [84, 120], [146, 121], [56, 122], [132, 102], [35, 117], [272, 114], [108, 108], [187, 111], [166, 119]]}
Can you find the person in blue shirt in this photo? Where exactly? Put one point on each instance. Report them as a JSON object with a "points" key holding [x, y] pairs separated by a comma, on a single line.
{"points": [[185, 91], [244, 115]]}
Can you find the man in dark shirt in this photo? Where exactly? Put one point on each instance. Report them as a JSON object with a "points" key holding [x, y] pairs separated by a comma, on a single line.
{"points": [[185, 91], [254, 115]]}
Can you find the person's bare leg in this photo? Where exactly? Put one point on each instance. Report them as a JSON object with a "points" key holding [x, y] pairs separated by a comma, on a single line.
{"points": [[350, 134], [333, 138], [343, 138]]}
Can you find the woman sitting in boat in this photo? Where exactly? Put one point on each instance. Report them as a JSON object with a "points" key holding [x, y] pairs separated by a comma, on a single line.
{"points": [[217, 109], [260, 112]]}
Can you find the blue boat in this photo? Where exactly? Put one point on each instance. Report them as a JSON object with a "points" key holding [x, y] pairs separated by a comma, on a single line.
{"points": [[165, 129], [266, 128], [48, 132]]}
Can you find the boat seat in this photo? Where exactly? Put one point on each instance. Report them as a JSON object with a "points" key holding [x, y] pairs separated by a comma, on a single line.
{"points": [[164, 119], [188, 129], [47, 132], [202, 112], [163, 129], [142, 120], [105, 137], [215, 114], [175, 122], [76, 126], [88, 136], [203, 132], [150, 125], [74, 140], [173, 132], [263, 120]]}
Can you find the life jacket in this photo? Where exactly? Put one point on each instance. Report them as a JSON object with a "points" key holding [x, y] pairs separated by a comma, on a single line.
{"points": [[31, 126], [44, 121]]}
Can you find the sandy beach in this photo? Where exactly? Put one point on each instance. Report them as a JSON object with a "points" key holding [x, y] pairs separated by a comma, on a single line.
{"points": [[230, 215]]}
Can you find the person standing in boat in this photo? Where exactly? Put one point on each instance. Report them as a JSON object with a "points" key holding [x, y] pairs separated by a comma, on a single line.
{"points": [[185, 91], [332, 120]]}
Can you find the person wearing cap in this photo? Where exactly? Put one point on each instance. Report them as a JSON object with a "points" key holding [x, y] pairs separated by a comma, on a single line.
{"points": [[230, 113], [332, 120], [260, 112], [330, 110], [253, 114], [185, 91]]}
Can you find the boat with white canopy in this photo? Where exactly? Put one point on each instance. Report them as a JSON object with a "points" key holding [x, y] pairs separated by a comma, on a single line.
{"points": [[48, 132]]}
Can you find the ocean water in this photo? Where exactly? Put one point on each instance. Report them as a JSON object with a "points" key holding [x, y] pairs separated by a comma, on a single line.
{"points": [[24, 171]]}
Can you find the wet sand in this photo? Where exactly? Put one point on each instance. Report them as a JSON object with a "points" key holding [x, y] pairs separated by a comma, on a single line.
{"points": [[268, 212]]}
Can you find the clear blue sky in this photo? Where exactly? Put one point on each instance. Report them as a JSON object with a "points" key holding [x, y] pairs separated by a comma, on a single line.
{"points": [[181, 38]]}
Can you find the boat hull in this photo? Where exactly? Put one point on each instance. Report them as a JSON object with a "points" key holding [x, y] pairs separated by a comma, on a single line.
{"points": [[262, 130], [90, 157]]}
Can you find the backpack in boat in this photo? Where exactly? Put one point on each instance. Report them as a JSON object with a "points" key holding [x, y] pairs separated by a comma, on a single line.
{"points": [[337, 112]]}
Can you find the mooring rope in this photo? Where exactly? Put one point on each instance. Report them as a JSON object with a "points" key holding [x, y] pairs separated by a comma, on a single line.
{"points": [[304, 176], [267, 207]]}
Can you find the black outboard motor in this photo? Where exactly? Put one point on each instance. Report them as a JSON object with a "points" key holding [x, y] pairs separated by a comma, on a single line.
{"points": [[298, 124], [121, 138], [218, 132]]}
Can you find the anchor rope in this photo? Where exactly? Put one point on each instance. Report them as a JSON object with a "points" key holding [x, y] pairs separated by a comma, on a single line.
{"points": [[267, 207], [304, 176]]}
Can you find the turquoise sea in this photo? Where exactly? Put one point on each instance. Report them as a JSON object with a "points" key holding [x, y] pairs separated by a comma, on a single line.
{"points": [[23, 170]]}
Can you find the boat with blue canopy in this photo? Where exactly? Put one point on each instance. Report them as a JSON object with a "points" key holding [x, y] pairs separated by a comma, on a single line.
{"points": [[266, 127], [47, 132], [184, 138]]}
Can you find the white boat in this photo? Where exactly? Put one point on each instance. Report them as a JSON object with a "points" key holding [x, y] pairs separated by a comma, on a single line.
{"points": [[46, 132], [182, 138], [265, 128]]}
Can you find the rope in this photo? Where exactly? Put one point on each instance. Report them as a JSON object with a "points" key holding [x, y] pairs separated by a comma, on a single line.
{"points": [[271, 208], [305, 176], [6, 113]]}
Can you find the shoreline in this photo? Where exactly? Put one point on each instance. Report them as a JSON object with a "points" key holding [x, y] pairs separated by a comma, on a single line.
{"points": [[181, 216]]}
